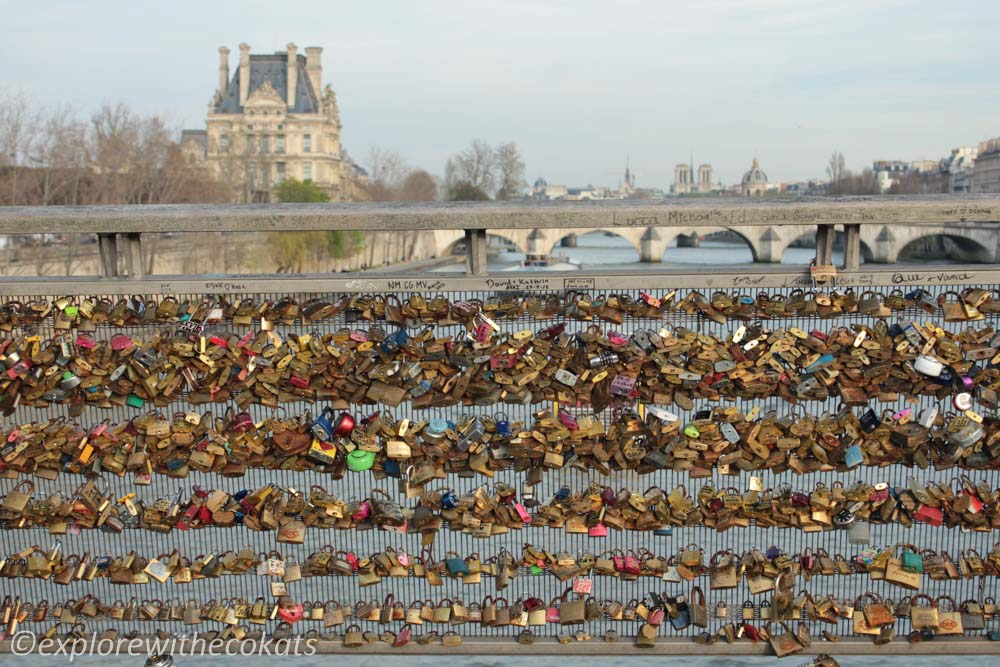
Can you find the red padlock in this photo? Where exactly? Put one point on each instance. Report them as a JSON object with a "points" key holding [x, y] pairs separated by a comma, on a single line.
{"points": [[344, 425], [289, 611], [929, 515], [600, 530], [655, 617]]}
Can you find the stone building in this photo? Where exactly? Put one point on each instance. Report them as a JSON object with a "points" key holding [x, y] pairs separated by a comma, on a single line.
{"points": [[986, 177], [273, 119], [754, 181], [958, 168], [683, 178]]}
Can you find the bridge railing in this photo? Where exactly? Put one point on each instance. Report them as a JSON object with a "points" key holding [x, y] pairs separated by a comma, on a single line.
{"points": [[124, 227], [120, 228]]}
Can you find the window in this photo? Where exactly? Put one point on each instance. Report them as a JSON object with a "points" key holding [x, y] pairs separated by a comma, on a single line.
{"points": [[264, 142], [280, 171], [224, 142], [307, 143], [279, 144], [307, 170]]}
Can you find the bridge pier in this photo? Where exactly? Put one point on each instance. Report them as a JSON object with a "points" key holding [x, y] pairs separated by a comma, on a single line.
{"points": [[537, 244], [769, 249], [651, 246], [885, 250]]}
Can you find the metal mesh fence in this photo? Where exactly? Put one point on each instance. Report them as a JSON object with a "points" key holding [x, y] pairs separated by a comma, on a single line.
{"points": [[346, 590]]}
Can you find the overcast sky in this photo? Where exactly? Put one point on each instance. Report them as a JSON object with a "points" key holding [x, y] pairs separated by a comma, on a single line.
{"points": [[577, 84]]}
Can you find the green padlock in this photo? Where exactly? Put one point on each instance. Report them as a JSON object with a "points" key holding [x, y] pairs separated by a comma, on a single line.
{"points": [[360, 460], [913, 562], [691, 431], [71, 312], [535, 569], [134, 401]]}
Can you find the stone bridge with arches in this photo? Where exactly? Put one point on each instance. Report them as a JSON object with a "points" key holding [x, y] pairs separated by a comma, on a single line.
{"points": [[880, 244]]}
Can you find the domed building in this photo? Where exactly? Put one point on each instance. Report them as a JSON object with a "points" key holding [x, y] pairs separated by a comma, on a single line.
{"points": [[754, 182]]}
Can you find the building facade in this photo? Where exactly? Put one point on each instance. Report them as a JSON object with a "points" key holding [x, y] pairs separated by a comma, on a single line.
{"points": [[958, 168], [273, 119], [754, 182], [987, 167], [684, 182]]}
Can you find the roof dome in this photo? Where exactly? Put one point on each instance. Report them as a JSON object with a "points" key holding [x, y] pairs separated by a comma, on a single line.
{"points": [[755, 175], [541, 182]]}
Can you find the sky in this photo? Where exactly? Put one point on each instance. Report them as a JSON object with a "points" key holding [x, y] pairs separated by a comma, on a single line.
{"points": [[578, 85]]}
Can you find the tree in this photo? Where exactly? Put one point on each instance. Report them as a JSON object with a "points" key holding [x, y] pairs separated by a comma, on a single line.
{"points": [[466, 191], [290, 249], [386, 171], [510, 169], [837, 170], [418, 186], [475, 166], [293, 190]]}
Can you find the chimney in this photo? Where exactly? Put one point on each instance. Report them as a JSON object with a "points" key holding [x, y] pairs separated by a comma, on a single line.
{"points": [[223, 70], [244, 73], [314, 68], [293, 73]]}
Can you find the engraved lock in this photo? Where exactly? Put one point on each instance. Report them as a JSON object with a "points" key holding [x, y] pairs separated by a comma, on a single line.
{"points": [[853, 457], [565, 377], [622, 385]]}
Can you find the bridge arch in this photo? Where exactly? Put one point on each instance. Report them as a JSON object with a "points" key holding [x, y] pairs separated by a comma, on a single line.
{"points": [[944, 245], [451, 247], [672, 234], [555, 239]]}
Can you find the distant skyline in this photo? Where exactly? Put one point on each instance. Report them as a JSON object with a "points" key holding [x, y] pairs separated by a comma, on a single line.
{"points": [[578, 85]]}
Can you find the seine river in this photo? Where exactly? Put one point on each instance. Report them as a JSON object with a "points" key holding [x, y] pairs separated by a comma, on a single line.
{"points": [[598, 251]]}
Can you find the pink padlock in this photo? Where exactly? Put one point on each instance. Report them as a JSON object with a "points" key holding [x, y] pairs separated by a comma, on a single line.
{"points": [[85, 341], [292, 613], [120, 342], [522, 512], [568, 420], [600, 530], [583, 586], [483, 332], [403, 558], [364, 509], [617, 338]]}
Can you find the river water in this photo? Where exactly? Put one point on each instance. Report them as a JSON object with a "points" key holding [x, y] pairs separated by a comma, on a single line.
{"points": [[602, 252]]}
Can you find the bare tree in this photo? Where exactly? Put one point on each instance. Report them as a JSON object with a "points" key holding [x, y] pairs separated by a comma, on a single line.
{"points": [[418, 186], [837, 170], [475, 167], [18, 131], [386, 172], [510, 171]]}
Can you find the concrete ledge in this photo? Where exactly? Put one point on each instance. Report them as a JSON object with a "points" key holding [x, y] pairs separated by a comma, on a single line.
{"points": [[624, 646], [685, 212]]}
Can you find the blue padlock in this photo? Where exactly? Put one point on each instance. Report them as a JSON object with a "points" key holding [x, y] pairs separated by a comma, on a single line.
{"points": [[562, 493], [322, 426], [663, 532], [503, 425], [853, 457], [394, 341], [449, 500], [824, 360], [772, 552], [239, 517], [391, 468]]}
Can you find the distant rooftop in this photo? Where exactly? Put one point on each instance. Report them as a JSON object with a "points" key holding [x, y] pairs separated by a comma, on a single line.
{"points": [[272, 68]]}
